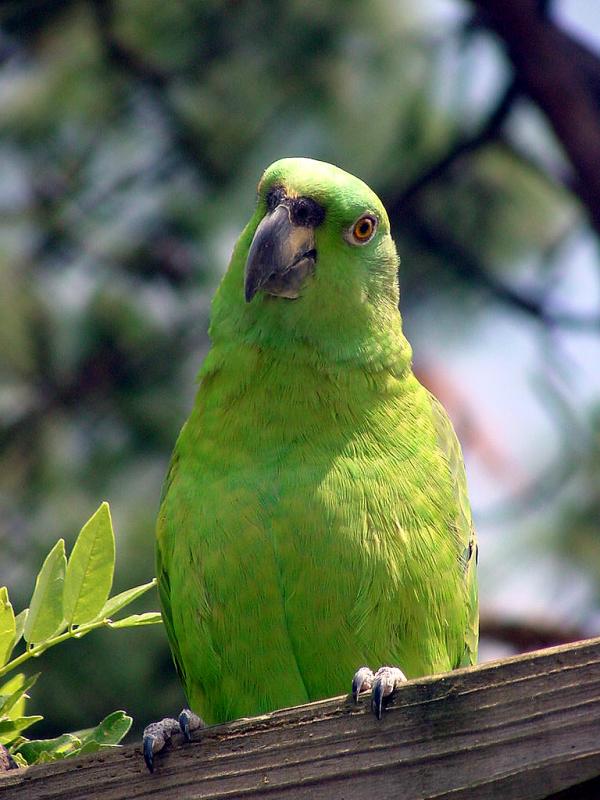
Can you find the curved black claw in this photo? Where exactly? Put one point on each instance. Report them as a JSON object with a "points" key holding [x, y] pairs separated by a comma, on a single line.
{"points": [[147, 744], [156, 736], [362, 680], [189, 722], [377, 699], [386, 680]]}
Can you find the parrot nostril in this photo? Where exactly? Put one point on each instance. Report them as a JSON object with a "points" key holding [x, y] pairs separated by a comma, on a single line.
{"points": [[275, 196]]}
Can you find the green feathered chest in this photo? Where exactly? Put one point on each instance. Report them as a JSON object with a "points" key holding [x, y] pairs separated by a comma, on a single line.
{"points": [[324, 508]]}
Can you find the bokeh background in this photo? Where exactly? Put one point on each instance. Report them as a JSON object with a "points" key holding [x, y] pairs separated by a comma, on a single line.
{"points": [[132, 136]]}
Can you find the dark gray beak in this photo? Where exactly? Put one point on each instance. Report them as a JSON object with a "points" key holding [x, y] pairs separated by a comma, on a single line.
{"points": [[281, 256]]}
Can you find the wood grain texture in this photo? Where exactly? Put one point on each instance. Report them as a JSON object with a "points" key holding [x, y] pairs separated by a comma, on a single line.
{"points": [[525, 728]]}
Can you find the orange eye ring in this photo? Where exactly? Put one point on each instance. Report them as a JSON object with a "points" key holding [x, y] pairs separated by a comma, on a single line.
{"points": [[364, 229]]}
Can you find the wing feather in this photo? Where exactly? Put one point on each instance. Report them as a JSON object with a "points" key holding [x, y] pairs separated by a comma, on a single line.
{"points": [[464, 529]]}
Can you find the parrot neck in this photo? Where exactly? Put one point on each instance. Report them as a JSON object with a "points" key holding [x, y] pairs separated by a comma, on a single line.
{"points": [[331, 358], [252, 399], [373, 343], [299, 376]]}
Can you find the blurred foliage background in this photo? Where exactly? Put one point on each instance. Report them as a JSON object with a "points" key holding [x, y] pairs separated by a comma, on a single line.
{"points": [[132, 136]]}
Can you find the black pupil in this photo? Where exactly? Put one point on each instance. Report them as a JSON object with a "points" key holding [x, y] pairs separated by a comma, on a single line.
{"points": [[365, 227]]}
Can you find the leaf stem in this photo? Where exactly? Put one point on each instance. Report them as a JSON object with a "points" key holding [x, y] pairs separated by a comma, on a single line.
{"points": [[38, 649]]}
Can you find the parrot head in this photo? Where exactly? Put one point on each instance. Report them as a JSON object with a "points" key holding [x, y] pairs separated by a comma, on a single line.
{"points": [[316, 262], [317, 225]]}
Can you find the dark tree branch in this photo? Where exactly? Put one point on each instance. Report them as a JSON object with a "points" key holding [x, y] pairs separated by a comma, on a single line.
{"points": [[586, 61], [525, 728], [27, 18], [466, 146], [188, 140], [469, 268], [562, 85], [464, 263], [146, 72], [526, 636]]}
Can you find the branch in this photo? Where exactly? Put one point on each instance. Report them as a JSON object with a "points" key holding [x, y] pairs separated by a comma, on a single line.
{"points": [[525, 728], [159, 82], [27, 18], [527, 635], [466, 266], [563, 86], [149, 74], [466, 146], [94, 376]]}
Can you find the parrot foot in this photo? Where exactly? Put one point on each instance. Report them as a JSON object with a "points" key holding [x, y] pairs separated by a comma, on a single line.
{"points": [[158, 734], [382, 684], [362, 681]]}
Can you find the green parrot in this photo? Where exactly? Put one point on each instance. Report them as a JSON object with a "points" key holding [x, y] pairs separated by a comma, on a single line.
{"points": [[314, 517]]}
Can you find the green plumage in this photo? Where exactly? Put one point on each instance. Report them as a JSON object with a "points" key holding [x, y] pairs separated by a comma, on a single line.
{"points": [[315, 514]]}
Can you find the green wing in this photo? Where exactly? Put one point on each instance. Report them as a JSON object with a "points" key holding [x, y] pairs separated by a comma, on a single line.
{"points": [[162, 576], [164, 593], [464, 530]]}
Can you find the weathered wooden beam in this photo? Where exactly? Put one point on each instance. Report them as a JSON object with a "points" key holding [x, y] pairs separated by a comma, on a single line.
{"points": [[525, 728]]}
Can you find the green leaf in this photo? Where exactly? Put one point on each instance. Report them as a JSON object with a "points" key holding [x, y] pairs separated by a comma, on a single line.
{"points": [[88, 747], [12, 695], [10, 728], [108, 732], [20, 621], [7, 626], [20, 761], [47, 758], [93, 747], [117, 602], [135, 620], [7, 690], [46, 608], [42, 750], [90, 569]]}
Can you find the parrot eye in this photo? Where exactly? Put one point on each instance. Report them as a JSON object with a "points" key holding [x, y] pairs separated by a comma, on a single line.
{"points": [[363, 229]]}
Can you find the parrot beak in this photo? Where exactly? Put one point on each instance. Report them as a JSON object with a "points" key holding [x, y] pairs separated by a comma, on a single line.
{"points": [[281, 256]]}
